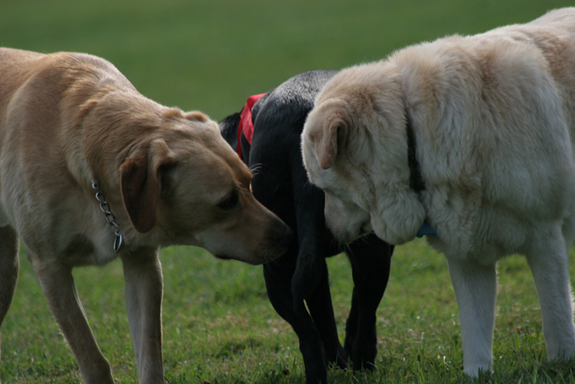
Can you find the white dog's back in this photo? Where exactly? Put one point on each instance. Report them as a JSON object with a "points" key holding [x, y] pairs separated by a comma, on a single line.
{"points": [[467, 99], [510, 150]]}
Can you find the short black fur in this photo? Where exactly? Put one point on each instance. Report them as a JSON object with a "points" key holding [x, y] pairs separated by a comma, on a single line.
{"points": [[280, 183]]}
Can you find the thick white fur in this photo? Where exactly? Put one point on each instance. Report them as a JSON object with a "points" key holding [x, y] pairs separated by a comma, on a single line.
{"points": [[494, 123]]}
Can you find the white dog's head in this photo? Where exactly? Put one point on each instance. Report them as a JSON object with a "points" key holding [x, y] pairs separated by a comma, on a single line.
{"points": [[354, 146]]}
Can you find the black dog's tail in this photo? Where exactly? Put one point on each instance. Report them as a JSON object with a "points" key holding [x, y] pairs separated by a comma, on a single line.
{"points": [[229, 130], [310, 266]]}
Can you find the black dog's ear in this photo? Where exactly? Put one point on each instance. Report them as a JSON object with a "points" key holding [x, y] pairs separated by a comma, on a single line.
{"points": [[229, 130]]}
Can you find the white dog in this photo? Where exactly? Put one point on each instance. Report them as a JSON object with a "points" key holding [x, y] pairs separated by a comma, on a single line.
{"points": [[473, 136]]}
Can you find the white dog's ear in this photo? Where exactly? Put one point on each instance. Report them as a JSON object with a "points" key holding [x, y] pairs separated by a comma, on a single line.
{"points": [[141, 183], [326, 141]]}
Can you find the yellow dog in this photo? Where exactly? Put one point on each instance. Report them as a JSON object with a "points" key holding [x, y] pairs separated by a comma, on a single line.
{"points": [[91, 170]]}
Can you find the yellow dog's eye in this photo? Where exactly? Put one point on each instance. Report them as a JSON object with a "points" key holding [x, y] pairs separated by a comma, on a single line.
{"points": [[230, 202]]}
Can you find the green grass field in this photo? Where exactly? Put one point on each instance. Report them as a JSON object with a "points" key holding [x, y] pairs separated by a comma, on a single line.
{"points": [[218, 324]]}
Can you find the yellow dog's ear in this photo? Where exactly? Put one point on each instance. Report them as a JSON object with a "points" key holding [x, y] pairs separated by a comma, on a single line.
{"points": [[141, 183]]}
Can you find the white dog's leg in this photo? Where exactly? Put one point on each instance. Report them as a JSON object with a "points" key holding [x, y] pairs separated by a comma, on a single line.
{"points": [[9, 266], [144, 288], [548, 260], [475, 288], [59, 289]]}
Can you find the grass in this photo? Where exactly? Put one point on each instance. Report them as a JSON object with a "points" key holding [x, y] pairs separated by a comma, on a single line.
{"points": [[219, 326]]}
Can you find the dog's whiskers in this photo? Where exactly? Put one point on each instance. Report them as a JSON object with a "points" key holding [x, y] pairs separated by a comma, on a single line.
{"points": [[255, 169]]}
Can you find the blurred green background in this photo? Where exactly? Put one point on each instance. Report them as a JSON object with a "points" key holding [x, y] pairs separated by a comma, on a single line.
{"points": [[210, 54]]}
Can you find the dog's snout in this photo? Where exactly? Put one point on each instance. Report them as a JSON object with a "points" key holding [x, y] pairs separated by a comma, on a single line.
{"points": [[366, 228], [278, 238]]}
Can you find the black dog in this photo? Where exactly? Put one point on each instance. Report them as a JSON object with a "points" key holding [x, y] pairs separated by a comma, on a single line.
{"points": [[280, 183]]}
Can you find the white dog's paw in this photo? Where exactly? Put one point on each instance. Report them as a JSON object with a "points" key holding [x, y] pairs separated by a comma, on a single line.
{"points": [[474, 370]]}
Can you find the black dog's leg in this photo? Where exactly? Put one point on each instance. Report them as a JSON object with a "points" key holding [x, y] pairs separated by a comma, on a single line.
{"points": [[370, 259], [278, 275], [310, 281], [321, 309]]}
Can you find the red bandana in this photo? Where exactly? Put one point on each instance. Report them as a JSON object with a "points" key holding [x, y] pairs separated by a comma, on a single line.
{"points": [[246, 126]]}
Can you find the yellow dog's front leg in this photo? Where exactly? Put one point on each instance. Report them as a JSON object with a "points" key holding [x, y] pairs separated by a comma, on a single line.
{"points": [[144, 289]]}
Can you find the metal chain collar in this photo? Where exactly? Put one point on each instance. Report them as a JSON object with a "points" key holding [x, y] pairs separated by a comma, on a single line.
{"points": [[110, 217]]}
